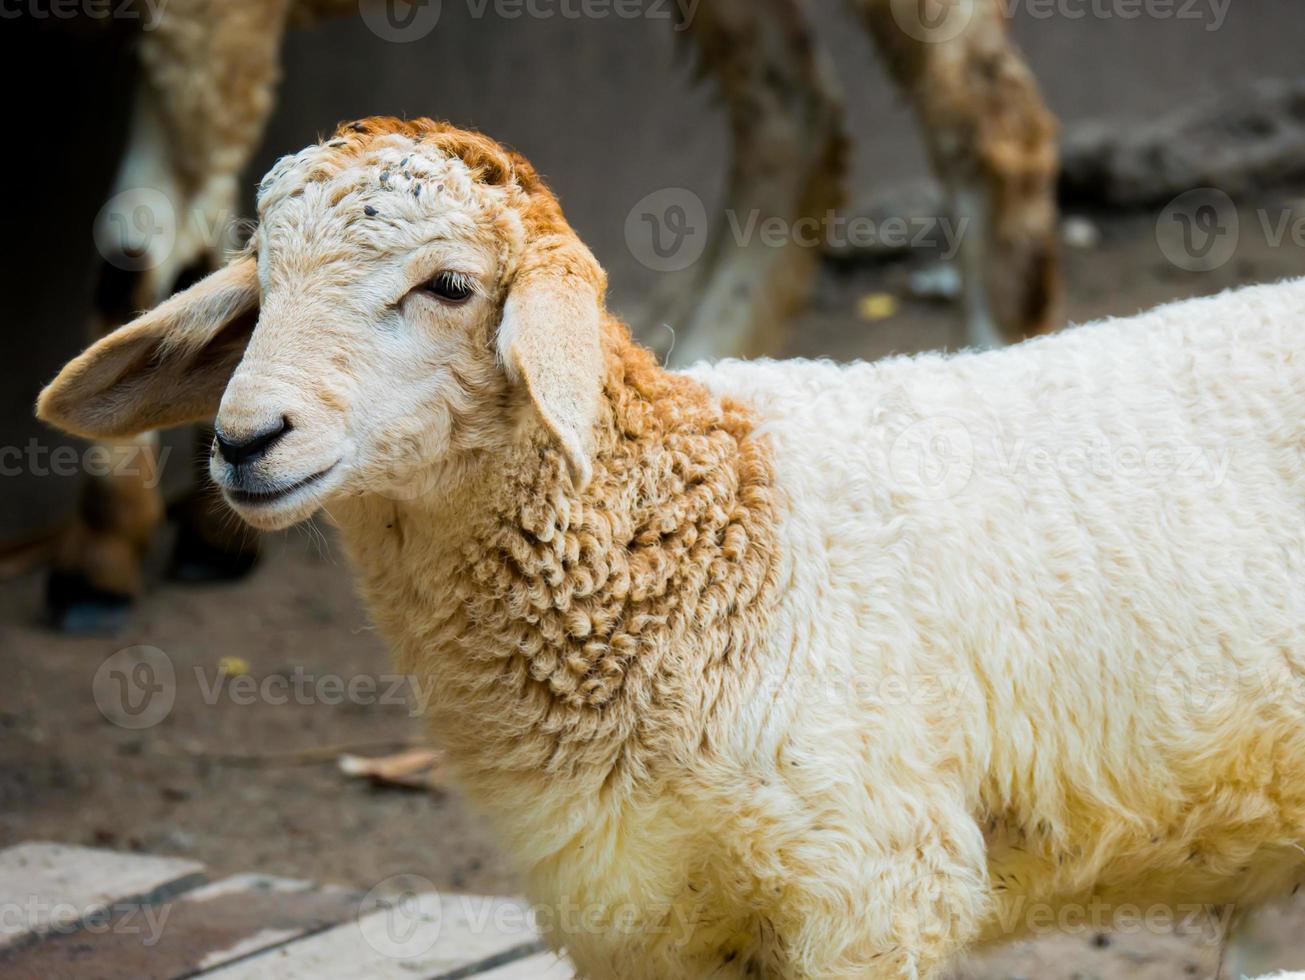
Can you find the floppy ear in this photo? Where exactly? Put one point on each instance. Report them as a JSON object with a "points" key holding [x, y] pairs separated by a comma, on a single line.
{"points": [[549, 341], [167, 367]]}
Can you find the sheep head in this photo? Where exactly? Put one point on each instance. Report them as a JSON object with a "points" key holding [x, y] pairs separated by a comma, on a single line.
{"points": [[412, 296]]}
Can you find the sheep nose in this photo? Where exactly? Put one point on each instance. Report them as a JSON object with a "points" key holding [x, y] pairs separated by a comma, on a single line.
{"points": [[237, 451]]}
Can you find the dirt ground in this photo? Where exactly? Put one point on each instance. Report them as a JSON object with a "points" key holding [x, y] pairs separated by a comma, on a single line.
{"points": [[187, 786]]}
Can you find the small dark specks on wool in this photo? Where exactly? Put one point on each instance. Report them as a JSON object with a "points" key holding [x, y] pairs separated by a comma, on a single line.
{"points": [[370, 211], [403, 162], [416, 190], [358, 127], [385, 177], [336, 143]]}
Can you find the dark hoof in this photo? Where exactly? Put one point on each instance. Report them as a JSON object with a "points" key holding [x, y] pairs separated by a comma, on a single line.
{"points": [[196, 561], [74, 605]]}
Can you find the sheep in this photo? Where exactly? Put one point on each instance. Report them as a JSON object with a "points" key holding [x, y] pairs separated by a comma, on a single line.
{"points": [[205, 88], [208, 85], [773, 668]]}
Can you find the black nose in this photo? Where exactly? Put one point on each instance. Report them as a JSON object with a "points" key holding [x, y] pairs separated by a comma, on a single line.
{"points": [[240, 451]]}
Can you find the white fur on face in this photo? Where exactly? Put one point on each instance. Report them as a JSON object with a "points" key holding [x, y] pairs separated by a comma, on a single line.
{"points": [[377, 377]]}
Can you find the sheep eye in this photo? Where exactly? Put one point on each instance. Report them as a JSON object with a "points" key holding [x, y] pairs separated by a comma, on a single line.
{"points": [[451, 287]]}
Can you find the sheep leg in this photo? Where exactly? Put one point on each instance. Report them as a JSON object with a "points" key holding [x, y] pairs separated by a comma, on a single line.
{"points": [[787, 163], [993, 144], [205, 91], [217, 126], [96, 573]]}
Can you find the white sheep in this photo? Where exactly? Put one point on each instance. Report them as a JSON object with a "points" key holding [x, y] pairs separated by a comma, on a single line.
{"points": [[777, 669], [207, 85]]}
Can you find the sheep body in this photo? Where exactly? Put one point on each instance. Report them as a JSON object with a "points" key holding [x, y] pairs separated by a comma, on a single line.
{"points": [[1024, 633], [1060, 592], [780, 670]]}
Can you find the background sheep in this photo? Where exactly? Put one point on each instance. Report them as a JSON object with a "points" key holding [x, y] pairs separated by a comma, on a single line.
{"points": [[651, 603]]}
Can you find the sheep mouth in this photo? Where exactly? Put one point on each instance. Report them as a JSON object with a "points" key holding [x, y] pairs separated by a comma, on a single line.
{"points": [[275, 494]]}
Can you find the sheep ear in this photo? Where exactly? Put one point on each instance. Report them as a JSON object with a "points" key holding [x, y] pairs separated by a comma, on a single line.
{"points": [[167, 367], [549, 341]]}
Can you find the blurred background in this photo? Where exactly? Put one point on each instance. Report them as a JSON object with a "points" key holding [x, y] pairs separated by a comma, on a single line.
{"points": [[1175, 117]]}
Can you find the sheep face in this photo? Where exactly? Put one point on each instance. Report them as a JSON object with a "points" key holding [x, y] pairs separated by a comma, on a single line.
{"points": [[412, 297]]}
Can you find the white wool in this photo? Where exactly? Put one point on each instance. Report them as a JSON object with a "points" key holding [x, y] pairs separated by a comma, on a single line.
{"points": [[1043, 634]]}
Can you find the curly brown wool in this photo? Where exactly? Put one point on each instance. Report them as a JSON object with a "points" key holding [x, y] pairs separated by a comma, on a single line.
{"points": [[605, 623]]}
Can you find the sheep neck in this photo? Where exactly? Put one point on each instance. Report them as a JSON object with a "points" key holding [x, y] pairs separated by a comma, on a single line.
{"points": [[588, 635]]}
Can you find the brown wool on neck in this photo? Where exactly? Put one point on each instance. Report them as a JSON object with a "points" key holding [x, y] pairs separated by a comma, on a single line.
{"points": [[596, 629]]}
